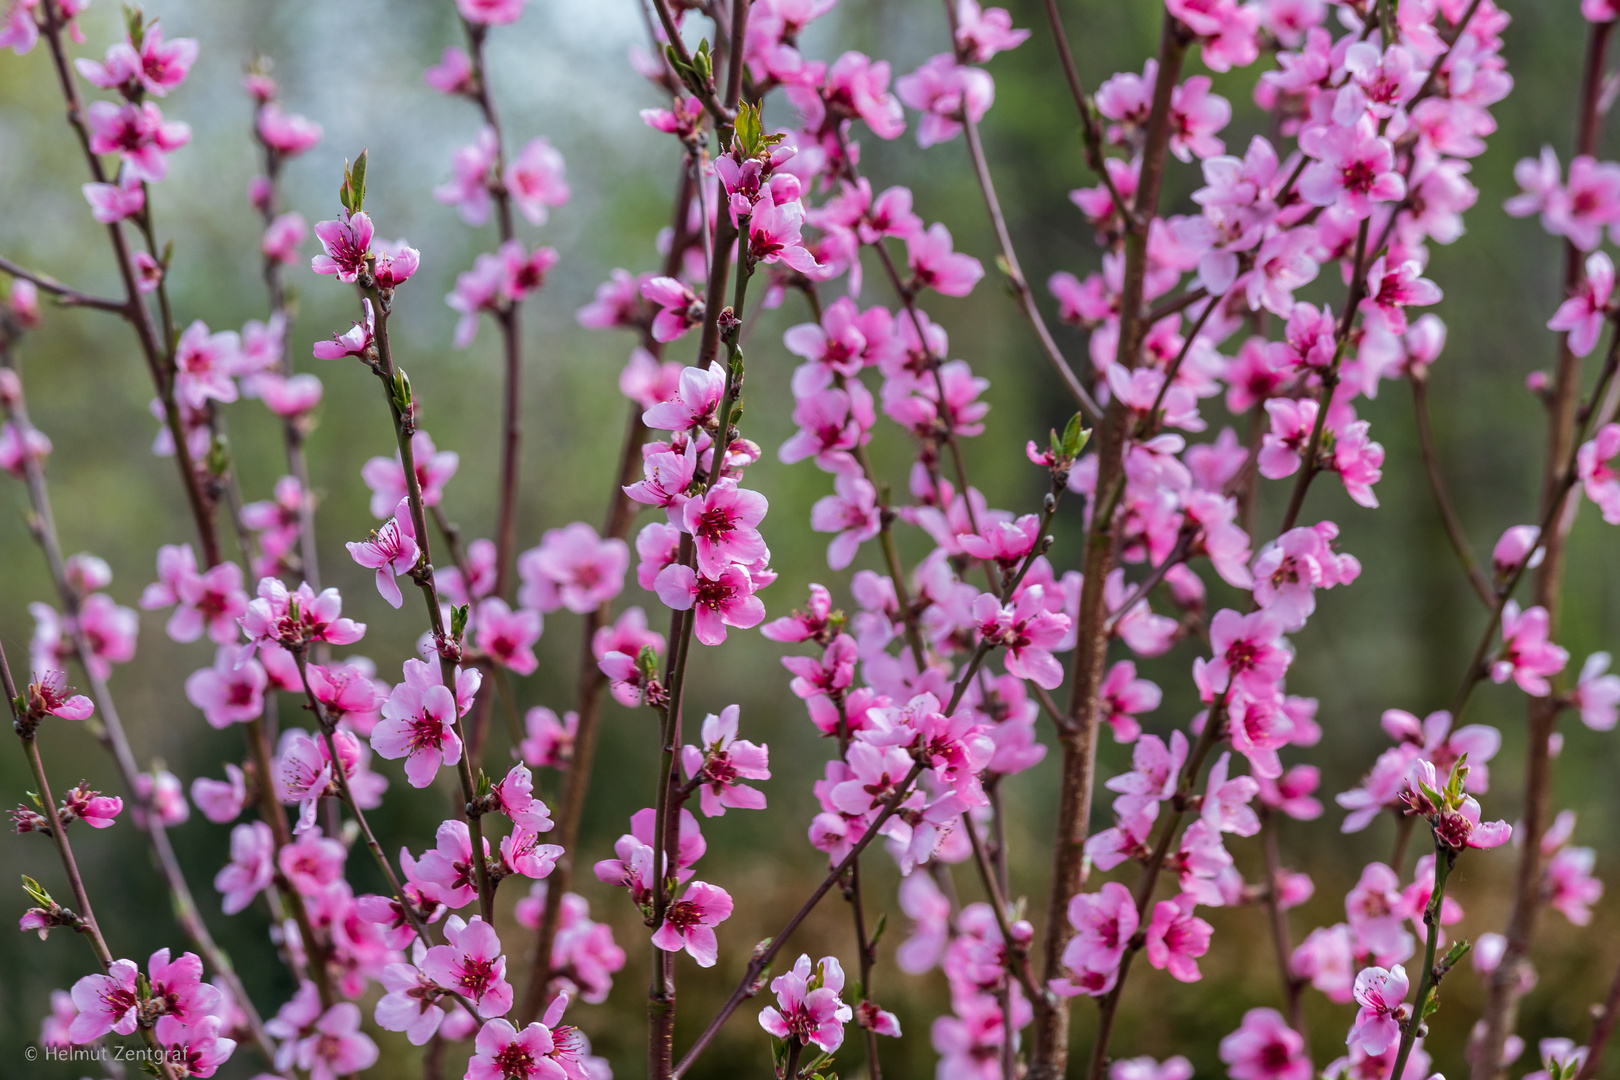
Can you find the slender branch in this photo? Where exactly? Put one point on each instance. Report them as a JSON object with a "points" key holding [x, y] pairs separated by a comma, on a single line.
{"points": [[1015, 274], [1090, 126], [1602, 1029], [1293, 986], [65, 296], [1428, 978], [1442, 497]]}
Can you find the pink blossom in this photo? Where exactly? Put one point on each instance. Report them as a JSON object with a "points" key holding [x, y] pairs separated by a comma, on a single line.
{"points": [[337, 1047], [1291, 426], [473, 170], [106, 1003], [1579, 210], [550, 742], [288, 398], [312, 862], [1582, 315], [679, 308], [410, 1003], [1258, 728], [288, 134], [1527, 656], [934, 265], [18, 30], [19, 447], [1594, 467], [252, 865], [1380, 993], [945, 91], [418, 724], [689, 922], [386, 476], [49, 695], [282, 237], [296, 619], [1248, 652], [205, 363], [725, 600], [723, 523], [852, 513], [1176, 937], [138, 134], [452, 74], [1104, 922], [1264, 1047], [471, 964], [1226, 801], [723, 761], [1122, 696], [480, 563], [446, 873], [1288, 572], [228, 692], [508, 636], [390, 551], [1353, 167], [774, 235], [1518, 543], [535, 180], [1391, 291], [1195, 115], [832, 422], [346, 242], [1597, 694], [856, 87], [524, 272], [574, 568], [808, 1006], [981, 34], [221, 801], [490, 12], [501, 1052], [1028, 631], [115, 202]]}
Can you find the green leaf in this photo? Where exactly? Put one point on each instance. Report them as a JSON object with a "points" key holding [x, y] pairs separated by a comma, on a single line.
{"points": [[877, 931], [357, 180], [1075, 437], [37, 892], [458, 620]]}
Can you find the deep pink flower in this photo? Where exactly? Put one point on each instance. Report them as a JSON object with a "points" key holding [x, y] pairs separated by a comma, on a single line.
{"points": [[944, 91], [386, 476], [808, 1006], [1390, 291], [252, 866], [689, 922], [50, 695], [679, 308], [852, 513], [1176, 938], [723, 522], [390, 551], [346, 242], [446, 873], [508, 636], [1353, 167], [1291, 425], [471, 964], [1582, 315], [138, 134], [1028, 631], [723, 761], [981, 34], [490, 12], [221, 801], [935, 265], [573, 568], [1248, 652], [501, 1052], [1104, 922], [725, 600], [296, 619], [1579, 210]]}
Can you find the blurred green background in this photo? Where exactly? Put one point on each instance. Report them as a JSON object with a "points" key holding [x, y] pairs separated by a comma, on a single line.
{"points": [[1399, 638]]}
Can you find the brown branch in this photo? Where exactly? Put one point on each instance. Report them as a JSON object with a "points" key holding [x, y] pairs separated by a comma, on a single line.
{"points": [[65, 296], [1442, 496]]}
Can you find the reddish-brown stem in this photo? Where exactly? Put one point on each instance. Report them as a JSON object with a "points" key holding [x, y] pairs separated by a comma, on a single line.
{"points": [[1090, 126], [1050, 1042], [155, 352], [1293, 986], [111, 733], [448, 649], [590, 683], [1602, 1029], [1015, 274], [88, 926], [1442, 496], [65, 296]]}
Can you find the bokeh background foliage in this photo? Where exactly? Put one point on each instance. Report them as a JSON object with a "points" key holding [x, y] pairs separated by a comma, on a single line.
{"points": [[1399, 638]]}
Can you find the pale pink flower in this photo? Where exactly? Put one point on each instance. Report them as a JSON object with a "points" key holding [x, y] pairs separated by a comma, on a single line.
{"points": [[502, 1052], [723, 523], [106, 1003], [337, 1047], [296, 619], [471, 964], [390, 551], [472, 172], [221, 801], [386, 476], [1391, 291], [1594, 467], [808, 1006], [282, 237], [944, 91], [49, 695], [288, 134], [410, 1003], [1121, 696], [534, 178], [852, 513], [1597, 693], [1591, 200], [228, 693], [1527, 656], [1248, 652], [205, 363], [1104, 922], [1264, 1047], [1381, 994], [573, 568], [418, 724], [1353, 167], [1291, 425], [18, 448], [116, 202], [355, 341], [452, 74], [981, 34]]}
